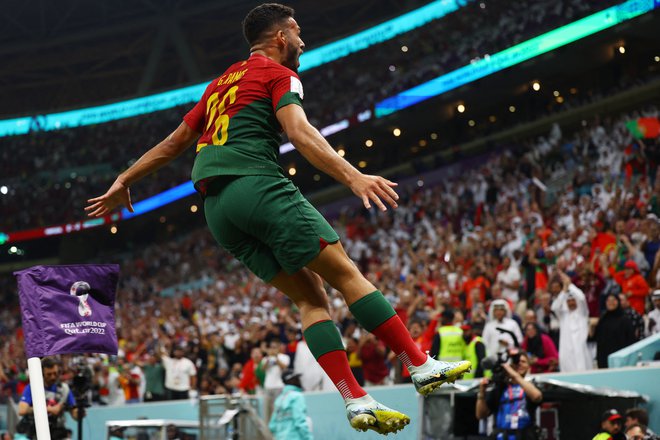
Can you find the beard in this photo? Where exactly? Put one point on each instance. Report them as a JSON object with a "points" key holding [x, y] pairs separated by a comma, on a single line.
{"points": [[292, 55]]}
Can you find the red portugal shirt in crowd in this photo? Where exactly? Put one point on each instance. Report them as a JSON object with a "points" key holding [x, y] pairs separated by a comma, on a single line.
{"points": [[236, 116]]}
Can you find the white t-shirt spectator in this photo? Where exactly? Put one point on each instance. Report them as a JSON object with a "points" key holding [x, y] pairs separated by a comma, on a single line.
{"points": [[273, 379], [178, 373], [507, 278]]}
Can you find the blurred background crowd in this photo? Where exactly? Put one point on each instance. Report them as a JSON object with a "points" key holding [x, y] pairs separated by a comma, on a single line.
{"points": [[504, 239], [527, 228]]}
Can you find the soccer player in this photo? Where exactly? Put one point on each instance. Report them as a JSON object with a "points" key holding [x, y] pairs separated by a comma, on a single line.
{"points": [[261, 218]]}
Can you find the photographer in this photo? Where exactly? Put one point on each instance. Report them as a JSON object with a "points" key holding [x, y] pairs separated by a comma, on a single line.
{"points": [[59, 398], [513, 400]]}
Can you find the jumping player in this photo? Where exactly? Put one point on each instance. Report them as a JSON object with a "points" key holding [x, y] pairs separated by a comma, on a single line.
{"points": [[261, 218]]}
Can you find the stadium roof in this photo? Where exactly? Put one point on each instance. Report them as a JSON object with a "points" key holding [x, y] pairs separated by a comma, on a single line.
{"points": [[70, 53]]}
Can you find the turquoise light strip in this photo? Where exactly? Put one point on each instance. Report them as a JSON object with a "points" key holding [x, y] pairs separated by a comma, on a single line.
{"points": [[517, 54], [379, 33], [161, 101]]}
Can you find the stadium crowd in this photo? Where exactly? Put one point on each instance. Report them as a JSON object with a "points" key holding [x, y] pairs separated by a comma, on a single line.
{"points": [[555, 239], [80, 161]]}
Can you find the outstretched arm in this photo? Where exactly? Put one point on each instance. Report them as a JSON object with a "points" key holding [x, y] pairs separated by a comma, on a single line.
{"points": [[313, 146], [154, 159]]}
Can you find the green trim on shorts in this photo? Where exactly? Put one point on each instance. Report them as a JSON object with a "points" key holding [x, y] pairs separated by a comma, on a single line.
{"points": [[372, 310], [323, 337]]}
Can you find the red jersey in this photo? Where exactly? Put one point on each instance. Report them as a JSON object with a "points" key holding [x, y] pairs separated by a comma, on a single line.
{"points": [[236, 116]]}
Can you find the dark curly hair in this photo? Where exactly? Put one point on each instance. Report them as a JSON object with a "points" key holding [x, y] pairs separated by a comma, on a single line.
{"points": [[262, 18]]}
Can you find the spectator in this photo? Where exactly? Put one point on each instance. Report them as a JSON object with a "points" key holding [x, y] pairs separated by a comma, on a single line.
{"points": [[312, 376], [154, 376], [354, 360], [636, 432], [547, 318], [543, 357], [591, 284], [633, 285], [131, 380], [509, 278], [638, 416], [501, 332], [372, 354], [613, 331], [653, 325], [571, 308], [180, 375], [116, 394], [274, 364], [249, 381], [631, 314]]}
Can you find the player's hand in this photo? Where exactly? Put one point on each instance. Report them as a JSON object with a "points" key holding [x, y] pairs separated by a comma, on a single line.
{"points": [[118, 194], [375, 189]]}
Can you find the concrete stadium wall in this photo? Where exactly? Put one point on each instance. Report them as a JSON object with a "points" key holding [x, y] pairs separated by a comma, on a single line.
{"points": [[329, 419]]}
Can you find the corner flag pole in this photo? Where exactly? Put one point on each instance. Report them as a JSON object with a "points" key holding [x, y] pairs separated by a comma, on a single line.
{"points": [[38, 398]]}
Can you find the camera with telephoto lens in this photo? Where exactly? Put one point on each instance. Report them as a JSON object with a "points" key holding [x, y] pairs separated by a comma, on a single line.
{"points": [[495, 362], [81, 385]]}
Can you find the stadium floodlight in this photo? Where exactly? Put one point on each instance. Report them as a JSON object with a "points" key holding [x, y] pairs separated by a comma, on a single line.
{"points": [[396, 132], [536, 86], [460, 108]]}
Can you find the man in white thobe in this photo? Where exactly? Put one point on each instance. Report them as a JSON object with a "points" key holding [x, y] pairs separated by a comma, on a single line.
{"points": [[570, 306], [509, 334]]}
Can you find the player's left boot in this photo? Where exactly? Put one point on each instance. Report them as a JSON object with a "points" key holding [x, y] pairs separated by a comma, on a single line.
{"points": [[365, 413], [433, 373]]}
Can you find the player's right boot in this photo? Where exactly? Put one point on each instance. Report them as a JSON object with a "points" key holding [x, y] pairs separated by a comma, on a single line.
{"points": [[365, 413], [433, 373]]}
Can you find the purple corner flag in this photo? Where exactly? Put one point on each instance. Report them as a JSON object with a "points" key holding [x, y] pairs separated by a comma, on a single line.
{"points": [[68, 309]]}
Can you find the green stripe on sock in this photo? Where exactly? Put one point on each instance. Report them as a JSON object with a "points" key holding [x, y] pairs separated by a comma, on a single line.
{"points": [[372, 310], [323, 337]]}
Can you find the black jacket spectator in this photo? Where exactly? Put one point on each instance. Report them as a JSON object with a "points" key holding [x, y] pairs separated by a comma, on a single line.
{"points": [[613, 332]]}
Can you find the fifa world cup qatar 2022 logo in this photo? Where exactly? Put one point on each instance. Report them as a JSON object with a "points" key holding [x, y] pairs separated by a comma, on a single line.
{"points": [[81, 290]]}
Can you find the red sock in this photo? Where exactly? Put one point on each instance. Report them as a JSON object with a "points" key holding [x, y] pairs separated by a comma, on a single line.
{"points": [[335, 364], [396, 336]]}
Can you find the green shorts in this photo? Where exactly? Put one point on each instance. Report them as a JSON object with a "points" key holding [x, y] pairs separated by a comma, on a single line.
{"points": [[265, 223]]}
